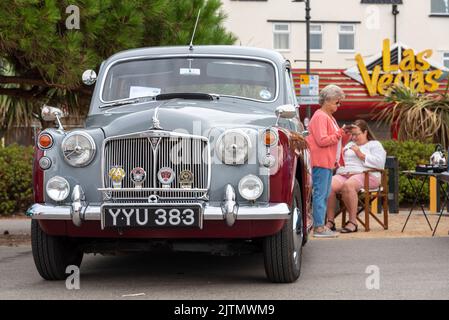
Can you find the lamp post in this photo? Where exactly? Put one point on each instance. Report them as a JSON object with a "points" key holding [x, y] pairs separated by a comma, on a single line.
{"points": [[395, 12], [307, 3]]}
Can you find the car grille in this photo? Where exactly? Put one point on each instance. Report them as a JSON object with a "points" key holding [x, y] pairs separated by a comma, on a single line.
{"points": [[178, 152]]}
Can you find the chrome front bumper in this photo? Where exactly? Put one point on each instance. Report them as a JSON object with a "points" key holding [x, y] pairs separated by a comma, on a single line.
{"points": [[229, 210], [271, 211]]}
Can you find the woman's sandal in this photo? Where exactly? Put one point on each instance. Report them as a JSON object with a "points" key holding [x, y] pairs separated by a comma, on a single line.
{"points": [[332, 228], [347, 230]]}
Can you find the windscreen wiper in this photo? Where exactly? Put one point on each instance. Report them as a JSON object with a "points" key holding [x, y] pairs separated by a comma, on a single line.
{"points": [[187, 95], [128, 101], [164, 96]]}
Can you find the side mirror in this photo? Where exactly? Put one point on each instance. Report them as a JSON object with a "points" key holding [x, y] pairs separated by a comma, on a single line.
{"points": [[52, 114], [89, 77], [286, 111]]}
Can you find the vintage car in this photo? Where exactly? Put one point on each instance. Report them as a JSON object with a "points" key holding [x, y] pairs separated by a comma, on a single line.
{"points": [[184, 148]]}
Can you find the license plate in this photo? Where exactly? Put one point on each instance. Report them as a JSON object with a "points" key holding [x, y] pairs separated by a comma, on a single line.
{"points": [[153, 216]]}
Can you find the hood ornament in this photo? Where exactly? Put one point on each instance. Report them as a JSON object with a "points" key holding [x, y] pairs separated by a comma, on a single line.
{"points": [[156, 123]]}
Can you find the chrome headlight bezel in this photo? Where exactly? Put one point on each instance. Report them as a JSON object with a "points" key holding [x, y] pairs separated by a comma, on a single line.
{"points": [[91, 151], [45, 134], [239, 159], [256, 181], [65, 188], [273, 137]]}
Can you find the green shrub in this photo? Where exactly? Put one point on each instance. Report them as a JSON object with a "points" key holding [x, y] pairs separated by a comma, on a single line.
{"points": [[409, 154], [16, 187]]}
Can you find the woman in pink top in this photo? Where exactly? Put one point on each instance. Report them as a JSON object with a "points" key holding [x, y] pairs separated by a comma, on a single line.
{"points": [[325, 141]]}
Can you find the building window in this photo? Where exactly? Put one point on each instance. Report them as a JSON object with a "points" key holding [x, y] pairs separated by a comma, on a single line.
{"points": [[439, 7], [446, 59], [316, 37], [281, 36], [346, 35], [382, 1]]}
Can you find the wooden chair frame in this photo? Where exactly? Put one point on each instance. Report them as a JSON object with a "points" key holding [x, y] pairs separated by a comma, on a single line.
{"points": [[366, 198]]}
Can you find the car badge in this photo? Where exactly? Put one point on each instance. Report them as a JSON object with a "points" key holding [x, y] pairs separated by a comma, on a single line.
{"points": [[117, 174], [153, 198], [138, 176], [166, 176], [186, 179], [154, 142]]}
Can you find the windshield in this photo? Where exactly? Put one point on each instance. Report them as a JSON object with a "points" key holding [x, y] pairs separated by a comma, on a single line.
{"points": [[249, 79]]}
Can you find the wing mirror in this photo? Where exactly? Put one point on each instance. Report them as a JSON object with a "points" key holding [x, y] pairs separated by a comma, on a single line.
{"points": [[286, 111], [52, 114], [89, 77]]}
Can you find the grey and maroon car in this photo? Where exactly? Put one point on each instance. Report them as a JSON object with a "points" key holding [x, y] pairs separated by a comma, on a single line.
{"points": [[184, 148]]}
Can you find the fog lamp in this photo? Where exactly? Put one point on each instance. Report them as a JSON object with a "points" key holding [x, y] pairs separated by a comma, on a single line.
{"points": [[250, 187], [58, 188]]}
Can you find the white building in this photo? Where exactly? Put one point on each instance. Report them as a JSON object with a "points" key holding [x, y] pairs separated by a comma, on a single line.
{"points": [[340, 28]]}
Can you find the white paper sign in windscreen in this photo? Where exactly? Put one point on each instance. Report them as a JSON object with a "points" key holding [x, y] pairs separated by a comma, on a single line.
{"points": [[136, 92]]}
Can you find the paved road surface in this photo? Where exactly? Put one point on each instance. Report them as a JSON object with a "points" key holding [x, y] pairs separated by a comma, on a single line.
{"points": [[411, 268]]}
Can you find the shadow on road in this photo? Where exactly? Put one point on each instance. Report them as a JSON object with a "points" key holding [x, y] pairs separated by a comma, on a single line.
{"points": [[172, 267]]}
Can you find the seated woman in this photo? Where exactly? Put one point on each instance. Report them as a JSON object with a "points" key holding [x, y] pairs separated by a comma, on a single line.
{"points": [[362, 153]]}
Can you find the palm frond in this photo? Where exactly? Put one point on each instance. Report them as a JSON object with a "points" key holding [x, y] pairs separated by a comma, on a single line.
{"points": [[416, 117]]}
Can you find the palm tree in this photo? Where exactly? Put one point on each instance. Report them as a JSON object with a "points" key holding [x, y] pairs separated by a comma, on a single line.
{"points": [[20, 111], [13, 110], [415, 116]]}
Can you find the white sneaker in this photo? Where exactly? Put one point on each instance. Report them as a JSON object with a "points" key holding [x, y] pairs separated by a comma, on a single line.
{"points": [[325, 232]]}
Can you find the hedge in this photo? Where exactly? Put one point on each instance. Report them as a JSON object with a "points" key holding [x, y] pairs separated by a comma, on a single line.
{"points": [[409, 154], [16, 187]]}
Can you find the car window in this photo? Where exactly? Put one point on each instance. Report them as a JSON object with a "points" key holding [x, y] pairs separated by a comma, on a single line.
{"points": [[250, 79], [290, 87]]}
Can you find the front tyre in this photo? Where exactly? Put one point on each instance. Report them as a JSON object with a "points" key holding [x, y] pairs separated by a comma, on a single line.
{"points": [[52, 255], [283, 251]]}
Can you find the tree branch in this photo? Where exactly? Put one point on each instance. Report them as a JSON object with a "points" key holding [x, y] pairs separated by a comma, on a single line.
{"points": [[30, 81], [19, 93], [36, 82]]}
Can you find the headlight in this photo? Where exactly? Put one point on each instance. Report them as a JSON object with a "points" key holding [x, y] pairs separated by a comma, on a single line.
{"points": [[250, 187], [233, 147], [58, 188], [78, 148]]}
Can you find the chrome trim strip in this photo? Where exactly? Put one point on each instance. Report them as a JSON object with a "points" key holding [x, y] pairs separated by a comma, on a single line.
{"points": [[272, 211], [152, 189], [155, 133], [44, 181], [50, 212], [202, 55]]}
